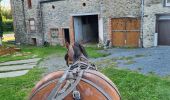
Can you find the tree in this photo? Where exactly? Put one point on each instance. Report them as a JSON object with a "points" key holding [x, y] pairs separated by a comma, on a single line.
{"points": [[1, 29], [6, 12]]}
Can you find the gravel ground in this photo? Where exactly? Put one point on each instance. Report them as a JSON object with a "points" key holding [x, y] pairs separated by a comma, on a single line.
{"points": [[154, 60], [144, 60], [53, 63]]}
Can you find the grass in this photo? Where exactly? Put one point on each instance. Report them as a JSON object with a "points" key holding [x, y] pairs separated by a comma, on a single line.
{"points": [[18, 88], [134, 86], [8, 32], [92, 52], [28, 52]]}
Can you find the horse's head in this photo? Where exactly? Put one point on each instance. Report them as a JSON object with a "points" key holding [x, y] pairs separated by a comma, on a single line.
{"points": [[74, 52]]}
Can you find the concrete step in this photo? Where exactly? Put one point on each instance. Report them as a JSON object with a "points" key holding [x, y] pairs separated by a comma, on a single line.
{"points": [[18, 62], [17, 67], [13, 74]]}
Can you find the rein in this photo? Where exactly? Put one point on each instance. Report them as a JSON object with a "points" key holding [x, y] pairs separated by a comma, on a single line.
{"points": [[71, 77]]}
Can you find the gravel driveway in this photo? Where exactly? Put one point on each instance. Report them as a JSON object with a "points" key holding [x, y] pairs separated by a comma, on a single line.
{"points": [[154, 60], [53, 63]]}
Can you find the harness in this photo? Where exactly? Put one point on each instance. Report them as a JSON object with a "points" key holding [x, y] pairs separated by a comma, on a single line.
{"points": [[71, 78]]}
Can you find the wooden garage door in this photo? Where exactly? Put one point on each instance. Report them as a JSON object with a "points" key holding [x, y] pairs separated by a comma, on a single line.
{"points": [[125, 32]]}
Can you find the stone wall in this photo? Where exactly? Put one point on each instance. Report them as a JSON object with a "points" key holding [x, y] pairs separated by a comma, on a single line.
{"points": [[34, 13], [152, 7], [19, 22], [21, 15], [58, 15], [117, 9]]}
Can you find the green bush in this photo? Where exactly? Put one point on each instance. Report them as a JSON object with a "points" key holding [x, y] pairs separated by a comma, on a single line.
{"points": [[1, 25], [8, 25]]}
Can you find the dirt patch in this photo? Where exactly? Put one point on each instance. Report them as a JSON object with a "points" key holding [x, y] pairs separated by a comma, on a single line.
{"points": [[8, 50]]}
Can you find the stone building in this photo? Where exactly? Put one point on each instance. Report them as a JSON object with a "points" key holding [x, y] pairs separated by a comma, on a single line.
{"points": [[92, 21]]}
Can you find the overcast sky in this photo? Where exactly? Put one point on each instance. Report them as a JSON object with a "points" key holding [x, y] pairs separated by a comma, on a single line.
{"points": [[5, 3]]}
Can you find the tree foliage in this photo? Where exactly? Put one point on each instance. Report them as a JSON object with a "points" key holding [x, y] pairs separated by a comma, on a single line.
{"points": [[1, 31], [6, 13], [6, 22]]}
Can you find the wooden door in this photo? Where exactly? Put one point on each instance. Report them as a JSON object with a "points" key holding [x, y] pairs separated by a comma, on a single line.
{"points": [[125, 32], [118, 36], [132, 32]]}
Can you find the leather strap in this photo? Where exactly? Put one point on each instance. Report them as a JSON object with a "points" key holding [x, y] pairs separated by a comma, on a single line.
{"points": [[54, 95]]}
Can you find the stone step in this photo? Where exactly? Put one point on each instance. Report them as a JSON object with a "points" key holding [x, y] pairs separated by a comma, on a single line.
{"points": [[18, 62], [17, 67], [13, 74]]}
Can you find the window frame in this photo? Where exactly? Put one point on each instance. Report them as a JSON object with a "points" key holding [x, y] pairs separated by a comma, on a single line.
{"points": [[166, 4], [57, 33], [29, 3], [30, 25]]}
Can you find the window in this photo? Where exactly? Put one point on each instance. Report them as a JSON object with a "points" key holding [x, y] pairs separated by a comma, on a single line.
{"points": [[29, 3], [32, 25], [167, 3], [54, 33]]}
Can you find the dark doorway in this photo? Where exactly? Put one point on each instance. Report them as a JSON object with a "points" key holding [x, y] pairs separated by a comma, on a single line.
{"points": [[86, 29], [34, 41], [164, 30], [66, 35]]}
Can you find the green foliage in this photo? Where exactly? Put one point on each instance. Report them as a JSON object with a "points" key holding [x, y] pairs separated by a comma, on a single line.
{"points": [[1, 28], [6, 22], [8, 32], [134, 86], [6, 12], [7, 25]]}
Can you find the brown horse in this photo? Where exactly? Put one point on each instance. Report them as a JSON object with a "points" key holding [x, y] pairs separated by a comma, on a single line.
{"points": [[81, 81]]}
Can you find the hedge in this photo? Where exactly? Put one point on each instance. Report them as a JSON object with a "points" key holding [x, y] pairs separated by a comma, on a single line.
{"points": [[1, 25], [8, 25]]}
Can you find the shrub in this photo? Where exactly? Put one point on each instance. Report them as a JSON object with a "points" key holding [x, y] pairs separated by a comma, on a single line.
{"points": [[8, 25], [1, 25]]}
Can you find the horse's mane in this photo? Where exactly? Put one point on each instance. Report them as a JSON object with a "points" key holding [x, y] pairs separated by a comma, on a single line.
{"points": [[78, 50]]}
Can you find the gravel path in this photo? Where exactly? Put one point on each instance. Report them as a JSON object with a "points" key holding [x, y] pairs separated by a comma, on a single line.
{"points": [[154, 60], [144, 60], [53, 63]]}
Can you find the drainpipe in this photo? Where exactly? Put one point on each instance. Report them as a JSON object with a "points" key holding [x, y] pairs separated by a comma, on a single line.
{"points": [[41, 19], [23, 11], [24, 22], [142, 21]]}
